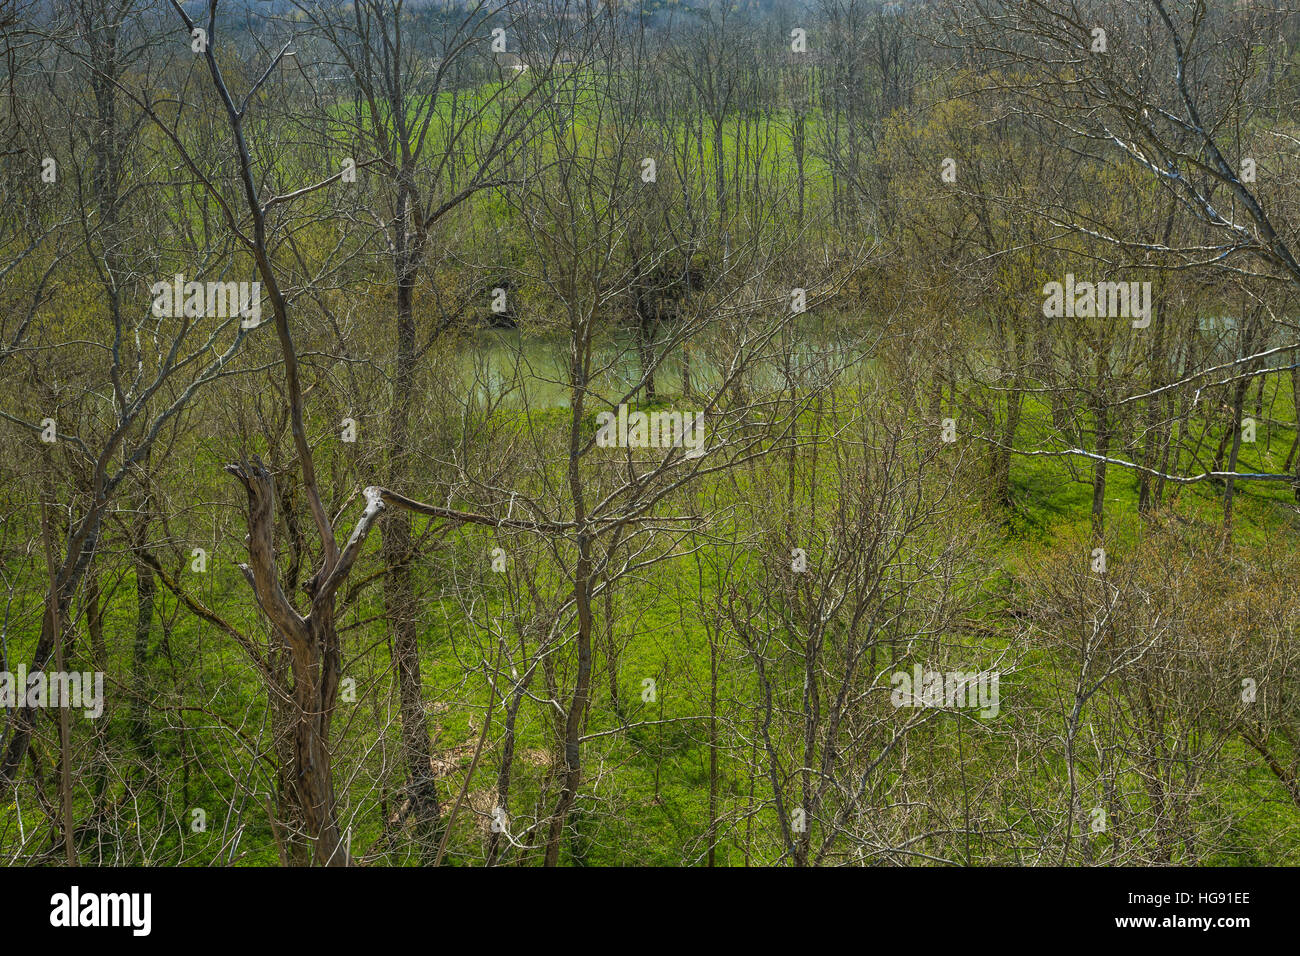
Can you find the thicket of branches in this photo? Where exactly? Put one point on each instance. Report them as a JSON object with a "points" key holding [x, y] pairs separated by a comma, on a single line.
{"points": [[363, 583]]}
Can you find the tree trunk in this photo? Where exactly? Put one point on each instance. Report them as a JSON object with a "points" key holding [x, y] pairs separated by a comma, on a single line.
{"points": [[399, 594]]}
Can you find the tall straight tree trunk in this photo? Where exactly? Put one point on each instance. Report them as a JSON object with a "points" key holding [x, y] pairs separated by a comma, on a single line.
{"points": [[145, 592], [1155, 433], [399, 593], [65, 731], [576, 714], [575, 718], [1099, 470], [95, 606], [1230, 484], [1231, 441], [1002, 455], [713, 747]]}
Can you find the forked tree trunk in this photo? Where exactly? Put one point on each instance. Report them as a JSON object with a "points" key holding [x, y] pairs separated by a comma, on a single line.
{"points": [[315, 656]]}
